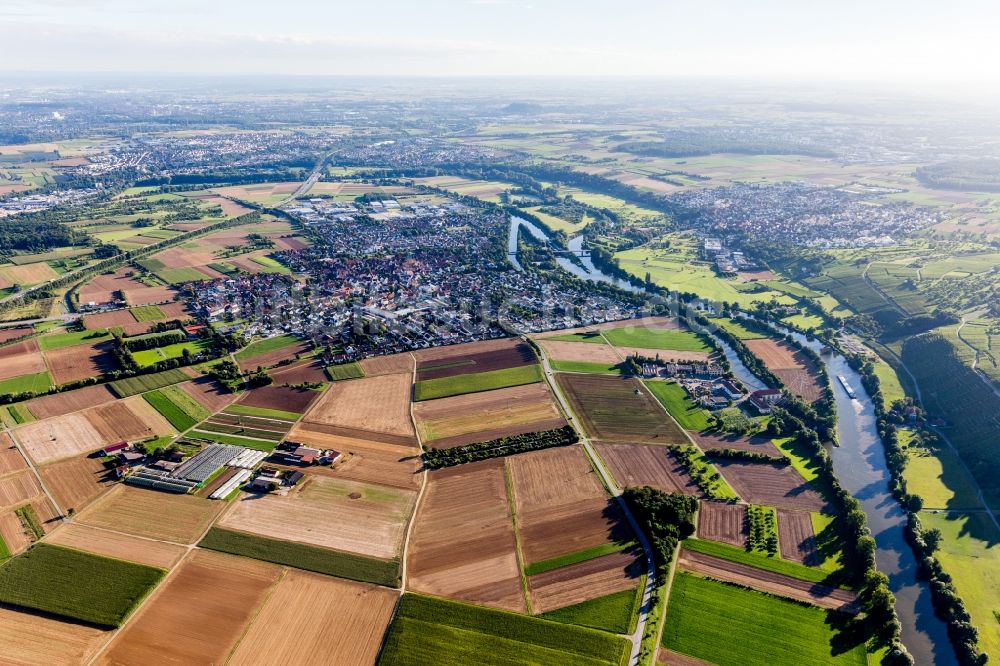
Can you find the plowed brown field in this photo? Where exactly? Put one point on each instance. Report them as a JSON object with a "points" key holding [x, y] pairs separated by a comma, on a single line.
{"points": [[313, 620], [364, 460], [33, 640], [119, 546], [207, 392], [462, 545], [18, 488], [561, 505], [141, 512], [817, 594], [372, 405], [298, 373], [104, 288], [770, 485], [331, 513], [198, 615], [271, 358], [21, 358], [70, 364], [77, 481], [644, 465], [484, 356], [279, 397], [59, 404], [477, 417], [619, 409], [726, 523], [586, 352], [12, 532], [665, 354], [796, 538], [792, 367], [584, 581], [761, 445]]}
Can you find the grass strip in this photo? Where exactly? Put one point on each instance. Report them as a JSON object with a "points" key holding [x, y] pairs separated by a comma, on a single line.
{"points": [[129, 386], [304, 556], [444, 387], [257, 444], [613, 612], [586, 367], [344, 371], [176, 416], [577, 557], [754, 559]]}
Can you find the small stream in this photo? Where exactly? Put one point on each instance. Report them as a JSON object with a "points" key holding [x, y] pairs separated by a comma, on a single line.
{"points": [[859, 462]]}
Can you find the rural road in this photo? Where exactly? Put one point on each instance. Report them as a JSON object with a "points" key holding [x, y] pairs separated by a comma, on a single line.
{"points": [[609, 482]]}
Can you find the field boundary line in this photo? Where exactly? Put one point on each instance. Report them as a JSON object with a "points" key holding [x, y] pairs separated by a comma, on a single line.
{"points": [[41, 482], [256, 614], [518, 555], [405, 554]]}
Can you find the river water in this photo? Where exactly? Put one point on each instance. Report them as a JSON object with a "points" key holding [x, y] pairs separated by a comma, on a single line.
{"points": [[859, 462]]}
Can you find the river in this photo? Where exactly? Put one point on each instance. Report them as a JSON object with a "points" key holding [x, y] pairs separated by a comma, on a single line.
{"points": [[859, 462]]}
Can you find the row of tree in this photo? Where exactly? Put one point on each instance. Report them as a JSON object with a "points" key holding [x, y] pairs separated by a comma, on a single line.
{"points": [[502, 446]]}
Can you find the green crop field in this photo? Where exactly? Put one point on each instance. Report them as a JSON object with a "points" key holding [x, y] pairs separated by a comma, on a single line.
{"points": [[573, 558], [123, 388], [590, 336], [38, 383], [75, 584], [147, 313], [756, 559], [181, 275], [614, 612], [180, 409], [587, 367], [970, 553], [265, 346], [260, 445], [729, 625], [650, 338], [737, 329], [271, 265], [246, 410], [60, 340], [443, 387], [148, 357], [673, 396], [892, 389], [303, 556], [427, 630], [344, 371], [20, 414]]}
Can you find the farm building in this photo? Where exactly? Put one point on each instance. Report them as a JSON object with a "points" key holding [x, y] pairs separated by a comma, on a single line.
{"points": [[763, 399]]}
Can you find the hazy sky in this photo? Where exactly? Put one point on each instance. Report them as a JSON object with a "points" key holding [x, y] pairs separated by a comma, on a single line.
{"points": [[892, 40]]}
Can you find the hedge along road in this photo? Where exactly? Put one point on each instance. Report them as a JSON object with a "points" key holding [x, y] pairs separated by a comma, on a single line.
{"points": [[612, 486]]}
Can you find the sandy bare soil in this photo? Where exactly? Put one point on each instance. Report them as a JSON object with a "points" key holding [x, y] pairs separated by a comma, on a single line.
{"points": [[70, 364], [18, 488], [313, 620], [11, 459], [21, 358], [59, 404], [118, 546], [198, 615], [128, 420], [394, 364], [77, 481], [332, 513], [59, 437], [462, 545], [586, 352], [817, 594]]}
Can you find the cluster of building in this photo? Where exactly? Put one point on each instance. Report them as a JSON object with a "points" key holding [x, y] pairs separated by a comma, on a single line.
{"points": [[418, 152], [39, 201], [803, 214], [367, 287], [727, 262]]}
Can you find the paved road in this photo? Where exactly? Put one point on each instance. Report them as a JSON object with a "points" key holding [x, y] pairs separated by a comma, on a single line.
{"points": [[609, 482]]}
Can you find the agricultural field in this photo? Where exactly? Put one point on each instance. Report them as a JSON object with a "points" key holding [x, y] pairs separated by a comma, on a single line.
{"points": [[172, 628], [725, 523], [331, 513], [474, 357], [80, 586], [433, 631], [796, 538], [140, 512], [177, 407], [315, 620], [618, 409], [64, 403], [585, 581], [577, 508], [73, 363], [372, 407], [616, 613], [364, 460], [485, 190], [775, 485], [724, 624], [124, 388], [75, 482], [462, 544], [791, 366], [480, 417], [393, 364], [60, 437], [19, 359], [277, 398], [666, 339], [37, 640], [208, 393], [644, 465], [443, 387], [158, 554], [129, 419], [579, 352], [265, 353]]}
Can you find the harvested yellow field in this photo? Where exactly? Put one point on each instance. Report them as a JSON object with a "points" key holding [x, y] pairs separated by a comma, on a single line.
{"points": [[315, 620], [12, 532], [394, 364], [373, 406], [30, 640], [144, 513], [332, 513], [585, 352], [18, 488], [59, 437], [118, 546]]}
